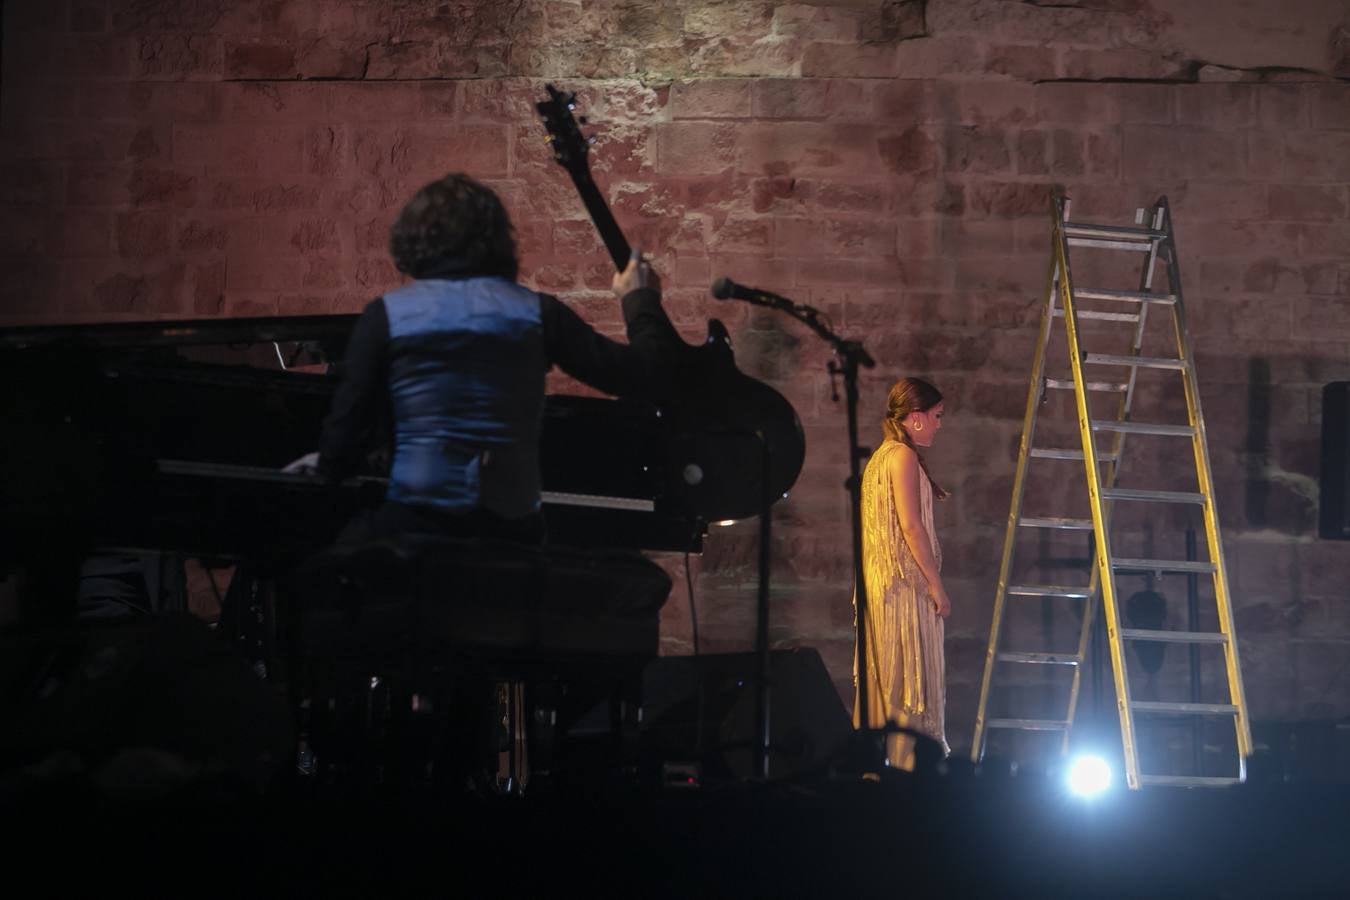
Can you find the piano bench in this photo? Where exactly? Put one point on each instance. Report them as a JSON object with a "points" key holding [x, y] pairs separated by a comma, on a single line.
{"points": [[555, 628], [489, 596]]}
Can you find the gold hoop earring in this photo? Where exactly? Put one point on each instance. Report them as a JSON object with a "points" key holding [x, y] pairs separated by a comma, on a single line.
{"points": [[918, 426]]}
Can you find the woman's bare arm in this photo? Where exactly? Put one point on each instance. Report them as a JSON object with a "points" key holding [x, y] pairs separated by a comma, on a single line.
{"points": [[905, 475]]}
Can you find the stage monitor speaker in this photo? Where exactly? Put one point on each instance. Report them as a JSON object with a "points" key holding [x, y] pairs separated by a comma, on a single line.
{"points": [[701, 709], [1334, 520]]}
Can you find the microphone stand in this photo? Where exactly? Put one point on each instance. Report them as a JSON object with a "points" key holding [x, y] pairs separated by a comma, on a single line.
{"points": [[762, 723], [849, 356], [759, 744]]}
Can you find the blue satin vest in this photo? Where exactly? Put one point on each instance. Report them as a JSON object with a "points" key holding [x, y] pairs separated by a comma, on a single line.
{"points": [[466, 376]]}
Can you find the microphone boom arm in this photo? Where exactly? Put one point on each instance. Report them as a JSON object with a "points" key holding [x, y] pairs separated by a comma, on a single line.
{"points": [[726, 289]]}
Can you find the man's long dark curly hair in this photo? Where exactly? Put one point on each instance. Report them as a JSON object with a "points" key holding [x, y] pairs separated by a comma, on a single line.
{"points": [[454, 226]]}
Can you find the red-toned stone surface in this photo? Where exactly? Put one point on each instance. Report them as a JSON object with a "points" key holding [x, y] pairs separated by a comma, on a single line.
{"points": [[887, 162]]}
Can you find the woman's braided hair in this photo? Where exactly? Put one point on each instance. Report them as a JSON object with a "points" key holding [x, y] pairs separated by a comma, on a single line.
{"points": [[911, 395]]}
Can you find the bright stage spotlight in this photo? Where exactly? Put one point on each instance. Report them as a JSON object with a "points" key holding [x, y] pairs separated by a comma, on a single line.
{"points": [[1089, 776]]}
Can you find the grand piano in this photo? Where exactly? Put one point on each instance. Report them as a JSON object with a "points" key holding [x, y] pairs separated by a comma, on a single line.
{"points": [[173, 436]]}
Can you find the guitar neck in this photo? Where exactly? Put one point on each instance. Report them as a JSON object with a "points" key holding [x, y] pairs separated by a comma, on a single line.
{"points": [[610, 233]]}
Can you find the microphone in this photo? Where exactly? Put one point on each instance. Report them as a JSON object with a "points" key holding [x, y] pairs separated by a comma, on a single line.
{"points": [[726, 289]]}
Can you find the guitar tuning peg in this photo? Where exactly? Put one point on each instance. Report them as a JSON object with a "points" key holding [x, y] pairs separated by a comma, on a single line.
{"points": [[590, 140]]}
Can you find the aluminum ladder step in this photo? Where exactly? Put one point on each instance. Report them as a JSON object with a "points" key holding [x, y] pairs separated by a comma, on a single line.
{"points": [[1143, 428], [1028, 724], [1189, 781], [1053, 522], [1125, 296], [1093, 315], [1043, 659], [1136, 233], [1066, 453], [1107, 237], [1137, 362], [1113, 387], [1174, 637], [1152, 496], [1162, 565], [1049, 590], [1183, 709]]}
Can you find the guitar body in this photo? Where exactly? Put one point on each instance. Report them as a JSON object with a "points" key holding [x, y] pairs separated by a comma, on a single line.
{"points": [[736, 444]]}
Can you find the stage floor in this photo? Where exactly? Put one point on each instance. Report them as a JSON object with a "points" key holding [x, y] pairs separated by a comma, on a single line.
{"points": [[819, 836]]}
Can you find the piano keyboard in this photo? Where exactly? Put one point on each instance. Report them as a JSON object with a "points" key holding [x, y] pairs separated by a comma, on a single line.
{"points": [[264, 473], [596, 501]]}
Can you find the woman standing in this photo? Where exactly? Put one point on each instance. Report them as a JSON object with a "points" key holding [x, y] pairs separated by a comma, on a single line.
{"points": [[902, 560]]}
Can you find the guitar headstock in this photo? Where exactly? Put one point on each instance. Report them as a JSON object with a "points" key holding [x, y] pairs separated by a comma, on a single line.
{"points": [[570, 147]]}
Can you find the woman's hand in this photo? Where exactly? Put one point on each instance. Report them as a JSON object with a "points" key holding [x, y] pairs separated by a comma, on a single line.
{"points": [[942, 604], [639, 274]]}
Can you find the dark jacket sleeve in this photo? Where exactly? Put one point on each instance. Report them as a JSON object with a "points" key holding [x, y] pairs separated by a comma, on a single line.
{"points": [[349, 429], [640, 367]]}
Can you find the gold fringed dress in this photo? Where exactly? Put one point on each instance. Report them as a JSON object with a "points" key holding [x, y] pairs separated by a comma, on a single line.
{"points": [[905, 659]]}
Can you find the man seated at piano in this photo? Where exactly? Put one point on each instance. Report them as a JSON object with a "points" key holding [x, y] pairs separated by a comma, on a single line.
{"points": [[456, 361]]}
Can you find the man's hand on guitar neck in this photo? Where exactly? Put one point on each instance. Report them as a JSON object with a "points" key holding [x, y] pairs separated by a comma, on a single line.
{"points": [[639, 274]]}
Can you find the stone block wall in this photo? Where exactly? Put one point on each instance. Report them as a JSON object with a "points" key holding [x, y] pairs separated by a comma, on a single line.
{"points": [[888, 161]]}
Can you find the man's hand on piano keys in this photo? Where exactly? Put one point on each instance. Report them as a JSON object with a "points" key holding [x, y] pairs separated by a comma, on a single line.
{"points": [[305, 465]]}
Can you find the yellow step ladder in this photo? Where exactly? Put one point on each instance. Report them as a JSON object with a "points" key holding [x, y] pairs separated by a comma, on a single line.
{"points": [[1152, 238]]}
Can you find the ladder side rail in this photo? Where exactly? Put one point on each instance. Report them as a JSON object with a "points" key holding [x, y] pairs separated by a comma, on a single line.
{"points": [[1095, 500], [1094, 592], [1084, 637], [1035, 391], [1126, 405], [1113, 463], [1204, 473], [1136, 348]]}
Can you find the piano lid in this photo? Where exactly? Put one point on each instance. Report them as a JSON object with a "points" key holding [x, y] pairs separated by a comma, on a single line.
{"points": [[326, 330]]}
